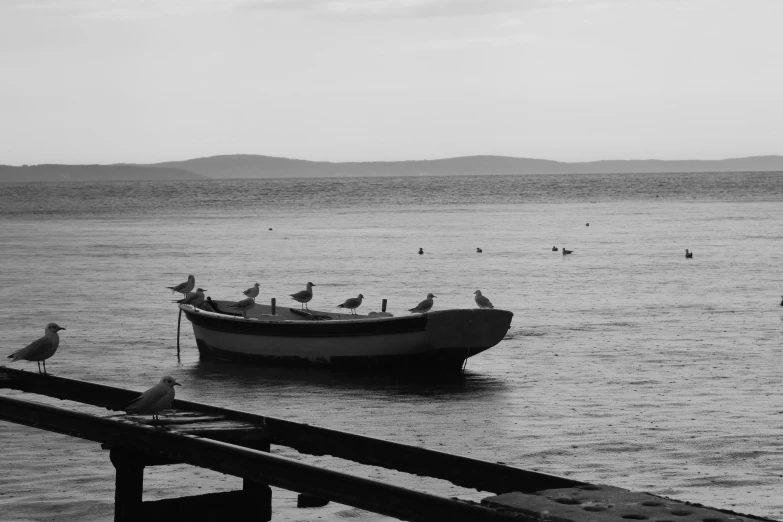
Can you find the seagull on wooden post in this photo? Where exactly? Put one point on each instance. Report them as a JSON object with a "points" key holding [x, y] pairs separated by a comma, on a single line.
{"points": [[352, 304], [184, 288], [154, 400], [304, 296], [482, 301], [40, 349]]}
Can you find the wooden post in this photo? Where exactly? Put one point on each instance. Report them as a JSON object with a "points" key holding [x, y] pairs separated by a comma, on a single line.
{"points": [[274, 305], [179, 320], [257, 495], [129, 485], [383, 305]]}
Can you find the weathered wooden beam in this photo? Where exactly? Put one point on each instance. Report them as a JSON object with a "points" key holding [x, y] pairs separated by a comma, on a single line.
{"points": [[461, 471], [249, 464]]}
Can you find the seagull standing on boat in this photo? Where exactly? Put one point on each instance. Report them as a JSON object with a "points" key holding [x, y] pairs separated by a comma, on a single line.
{"points": [[304, 296], [424, 306], [154, 400], [352, 304], [40, 349], [194, 299], [244, 306], [482, 301], [184, 288], [688, 255], [252, 291]]}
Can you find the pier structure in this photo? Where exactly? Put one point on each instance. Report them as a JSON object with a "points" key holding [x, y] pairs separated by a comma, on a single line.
{"points": [[238, 443]]}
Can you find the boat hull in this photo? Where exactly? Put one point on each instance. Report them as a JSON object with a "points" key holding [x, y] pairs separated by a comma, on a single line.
{"points": [[442, 339]]}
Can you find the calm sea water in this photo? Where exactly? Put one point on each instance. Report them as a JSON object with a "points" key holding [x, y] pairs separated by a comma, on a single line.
{"points": [[626, 364]]}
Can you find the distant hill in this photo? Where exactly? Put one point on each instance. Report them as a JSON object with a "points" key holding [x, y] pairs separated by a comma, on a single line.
{"points": [[93, 173], [256, 166], [253, 166]]}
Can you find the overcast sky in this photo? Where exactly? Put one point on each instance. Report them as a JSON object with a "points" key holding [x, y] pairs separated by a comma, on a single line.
{"points": [[102, 81]]}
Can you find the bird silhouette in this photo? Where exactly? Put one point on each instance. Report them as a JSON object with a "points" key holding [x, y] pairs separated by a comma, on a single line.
{"points": [[479, 250], [352, 304], [154, 400], [304, 296], [244, 306], [554, 249], [184, 288], [195, 299], [688, 255], [421, 251], [565, 252], [482, 301], [252, 291], [40, 349], [424, 306]]}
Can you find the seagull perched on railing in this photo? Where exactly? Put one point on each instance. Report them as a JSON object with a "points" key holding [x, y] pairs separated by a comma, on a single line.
{"points": [[184, 288], [244, 306], [352, 304], [482, 301], [194, 299], [154, 400], [424, 306], [304, 296], [252, 291], [40, 349]]}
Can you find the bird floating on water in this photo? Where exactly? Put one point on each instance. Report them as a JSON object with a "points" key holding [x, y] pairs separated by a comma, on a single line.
{"points": [[184, 288], [195, 299], [567, 251], [479, 250], [304, 296], [424, 306], [154, 400], [587, 224], [554, 249], [688, 254], [421, 251], [352, 304], [252, 291], [244, 306], [40, 349], [482, 301]]}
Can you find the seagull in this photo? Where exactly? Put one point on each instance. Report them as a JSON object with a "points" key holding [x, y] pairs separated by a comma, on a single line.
{"points": [[244, 306], [424, 306], [184, 288], [252, 291], [154, 400], [194, 299], [41, 349], [479, 250], [688, 255], [554, 249], [304, 296], [482, 301], [421, 251], [567, 251], [352, 303]]}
